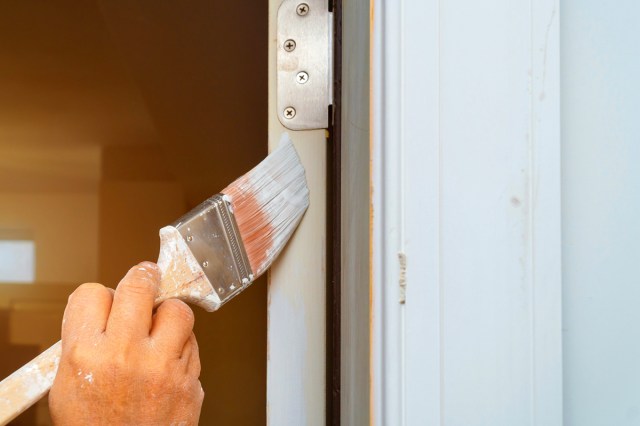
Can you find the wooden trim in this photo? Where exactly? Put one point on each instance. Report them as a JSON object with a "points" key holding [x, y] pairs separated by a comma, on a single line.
{"points": [[297, 336]]}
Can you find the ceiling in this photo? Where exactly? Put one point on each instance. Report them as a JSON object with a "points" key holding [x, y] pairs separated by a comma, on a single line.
{"points": [[62, 79], [78, 75]]}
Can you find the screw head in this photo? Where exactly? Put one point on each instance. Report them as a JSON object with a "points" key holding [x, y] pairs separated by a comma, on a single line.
{"points": [[205, 263], [289, 45], [302, 9], [289, 113], [302, 77]]}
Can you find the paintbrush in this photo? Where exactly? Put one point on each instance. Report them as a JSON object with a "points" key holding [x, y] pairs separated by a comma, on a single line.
{"points": [[207, 257]]}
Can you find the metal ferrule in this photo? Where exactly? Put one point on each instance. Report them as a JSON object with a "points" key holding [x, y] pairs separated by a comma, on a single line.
{"points": [[212, 234]]}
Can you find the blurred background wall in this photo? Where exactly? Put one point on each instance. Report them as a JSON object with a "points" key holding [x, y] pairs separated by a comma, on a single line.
{"points": [[116, 118]]}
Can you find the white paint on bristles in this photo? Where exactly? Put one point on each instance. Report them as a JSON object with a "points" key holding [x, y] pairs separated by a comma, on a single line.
{"points": [[279, 190]]}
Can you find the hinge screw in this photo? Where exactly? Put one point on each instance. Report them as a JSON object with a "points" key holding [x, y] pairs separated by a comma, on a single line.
{"points": [[302, 9], [302, 77], [289, 113], [290, 45]]}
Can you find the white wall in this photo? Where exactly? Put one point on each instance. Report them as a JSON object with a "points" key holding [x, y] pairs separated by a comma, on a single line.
{"points": [[601, 211]]}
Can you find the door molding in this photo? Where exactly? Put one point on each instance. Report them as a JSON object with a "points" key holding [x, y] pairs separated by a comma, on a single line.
{"points": [[296, 335]]}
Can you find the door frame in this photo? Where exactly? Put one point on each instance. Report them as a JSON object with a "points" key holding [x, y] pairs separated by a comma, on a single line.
{"points": [[297, 295]]}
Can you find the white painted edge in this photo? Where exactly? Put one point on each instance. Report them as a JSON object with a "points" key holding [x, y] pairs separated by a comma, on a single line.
{"points": [[296, 323]]}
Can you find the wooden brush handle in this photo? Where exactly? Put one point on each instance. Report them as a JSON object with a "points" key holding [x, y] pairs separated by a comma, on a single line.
{"points": [[26, 386], [181, 278]]}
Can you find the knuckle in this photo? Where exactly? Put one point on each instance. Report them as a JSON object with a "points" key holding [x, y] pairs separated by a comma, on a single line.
{"points": [[196, 348], [138, 285], [180, 311], [188, 386], [78, 357], [89, 290], [145, 270], [197, 367], [117, 363], [148, 266], [155, 379], [193, 389]]}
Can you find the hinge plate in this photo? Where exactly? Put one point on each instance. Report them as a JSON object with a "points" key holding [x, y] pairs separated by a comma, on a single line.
{"points": [[304, 64]]}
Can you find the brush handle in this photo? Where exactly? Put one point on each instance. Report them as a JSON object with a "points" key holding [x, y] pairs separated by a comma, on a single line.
{"points": [[181, 278], [26, 386]]}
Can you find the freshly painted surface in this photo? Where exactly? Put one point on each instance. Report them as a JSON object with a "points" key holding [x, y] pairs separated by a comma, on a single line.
{"points": [[466, 188], [601, 212], [296, 373]]}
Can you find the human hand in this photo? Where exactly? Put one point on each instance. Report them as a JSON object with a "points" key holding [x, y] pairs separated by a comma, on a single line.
{"points": [[123, 365]]}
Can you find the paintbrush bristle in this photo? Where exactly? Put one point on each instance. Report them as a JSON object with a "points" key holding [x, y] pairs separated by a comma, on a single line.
{"points": [[268, 203]]}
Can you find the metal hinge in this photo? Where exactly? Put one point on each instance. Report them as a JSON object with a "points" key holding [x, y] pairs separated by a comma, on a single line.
{"points": [[304, 64]]}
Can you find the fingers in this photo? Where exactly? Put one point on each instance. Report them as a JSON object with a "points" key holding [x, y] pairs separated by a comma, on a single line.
{"points": [[191, 356], [87, 312], [133, 302], [172, 326], [191, 359]]}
